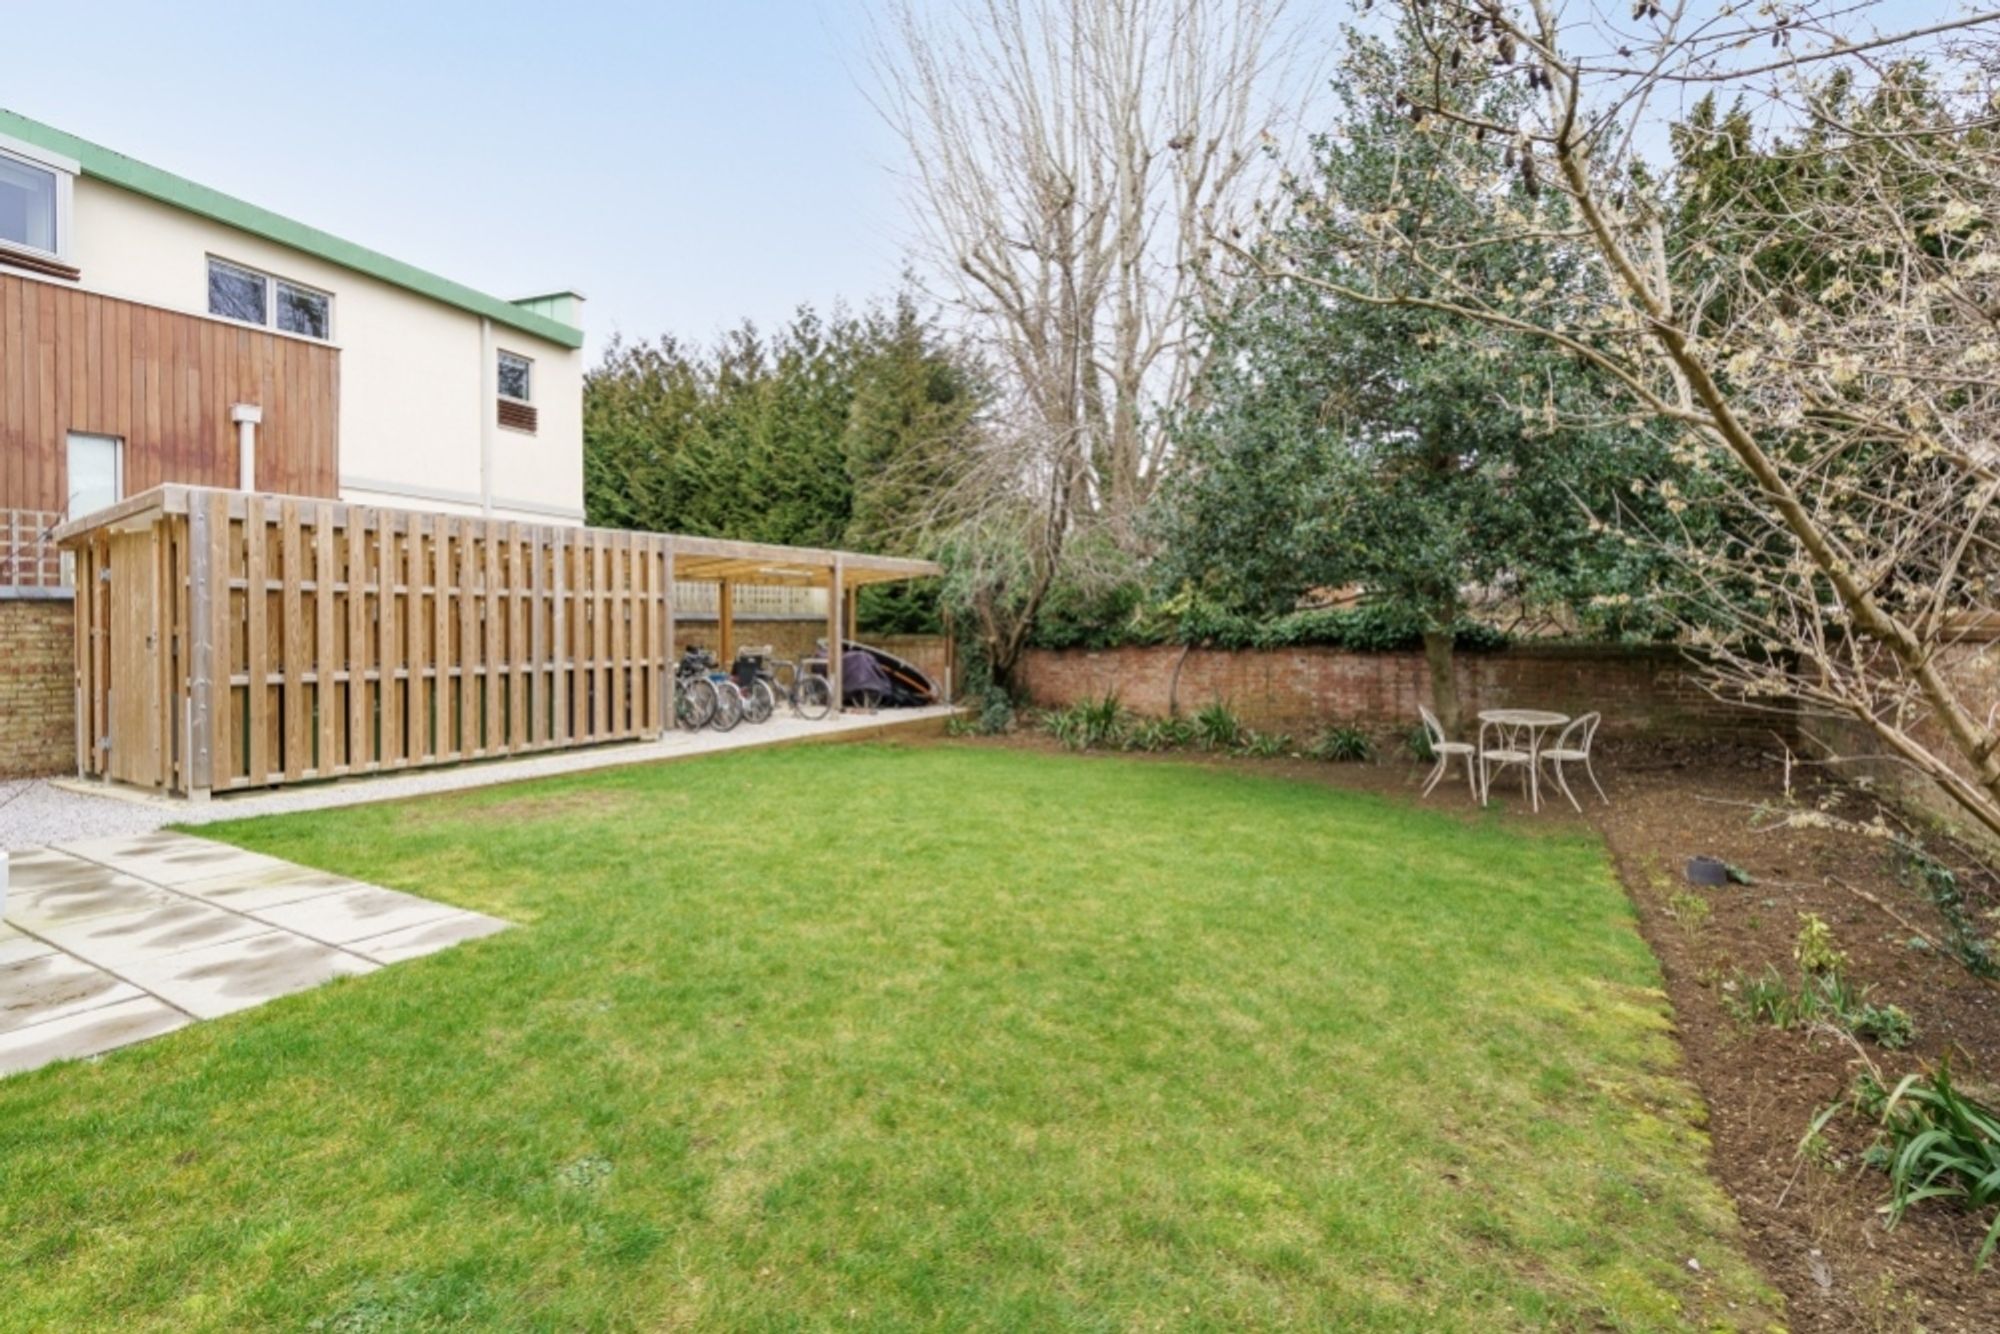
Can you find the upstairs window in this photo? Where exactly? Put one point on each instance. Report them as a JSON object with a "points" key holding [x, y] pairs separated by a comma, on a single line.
{"points": [[34, 203], [515, 377], [237, 293]]}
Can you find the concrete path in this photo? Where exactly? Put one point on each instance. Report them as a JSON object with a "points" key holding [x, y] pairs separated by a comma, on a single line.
{"points": [[109, 941], [37, 812]]}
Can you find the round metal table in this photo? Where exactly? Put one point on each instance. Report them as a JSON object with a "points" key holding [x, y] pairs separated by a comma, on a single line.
{"points": [[1514, 723]]}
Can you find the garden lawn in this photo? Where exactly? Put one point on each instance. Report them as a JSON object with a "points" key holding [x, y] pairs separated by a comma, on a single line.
{"points": [[876, 1037]]}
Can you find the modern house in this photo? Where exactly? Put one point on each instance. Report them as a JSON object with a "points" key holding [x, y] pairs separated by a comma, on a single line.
{"points": [[153, 330]]}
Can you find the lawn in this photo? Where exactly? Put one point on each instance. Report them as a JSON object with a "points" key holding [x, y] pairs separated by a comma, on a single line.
{"points": [[878, 1037]]}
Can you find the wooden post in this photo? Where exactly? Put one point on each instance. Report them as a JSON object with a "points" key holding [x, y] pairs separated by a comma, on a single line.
{"points": [[835, 596], [202, 656], [854, 612], [673, 649], [725, 622]]}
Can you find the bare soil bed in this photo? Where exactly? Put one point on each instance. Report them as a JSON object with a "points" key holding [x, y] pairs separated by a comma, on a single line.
{"points": [[1813, 1221]]}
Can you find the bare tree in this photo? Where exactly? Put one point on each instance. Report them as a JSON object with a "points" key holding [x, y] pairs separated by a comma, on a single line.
{"points": [[1071, 163], [1823, 352]]}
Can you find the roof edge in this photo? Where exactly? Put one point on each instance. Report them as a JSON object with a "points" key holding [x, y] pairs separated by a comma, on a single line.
{"points": [[136, 176]]}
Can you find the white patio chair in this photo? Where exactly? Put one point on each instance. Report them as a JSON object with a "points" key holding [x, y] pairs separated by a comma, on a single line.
{"points": [[1573, 747], [1500, 746], [1444, 748]]}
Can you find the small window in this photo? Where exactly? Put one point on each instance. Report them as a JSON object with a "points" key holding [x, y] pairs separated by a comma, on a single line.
{"points": [[237, 293], [95, 472], [31, 204], [304, 311], [516, 378]]}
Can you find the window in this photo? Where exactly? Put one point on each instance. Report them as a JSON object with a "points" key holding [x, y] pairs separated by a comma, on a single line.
{"points": [[34, 202], [516, 378], [95, 479], [237, 293]]}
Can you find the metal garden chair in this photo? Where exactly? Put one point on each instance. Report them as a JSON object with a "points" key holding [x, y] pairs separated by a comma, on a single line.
{"points": [[1508, 745], [1573, 747], [1444, 748]]}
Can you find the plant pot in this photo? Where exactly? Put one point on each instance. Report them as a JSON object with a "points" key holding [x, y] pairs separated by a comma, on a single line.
{"points": [[1707, 871]]}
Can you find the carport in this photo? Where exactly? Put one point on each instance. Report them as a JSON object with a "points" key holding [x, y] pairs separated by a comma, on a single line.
{"points": [[228, 640]]}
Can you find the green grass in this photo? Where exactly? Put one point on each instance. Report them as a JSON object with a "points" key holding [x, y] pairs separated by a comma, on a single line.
{"points": [[941, 1038]]}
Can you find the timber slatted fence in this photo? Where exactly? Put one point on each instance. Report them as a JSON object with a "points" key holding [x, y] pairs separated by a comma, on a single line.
{"points": [[280, 640]]}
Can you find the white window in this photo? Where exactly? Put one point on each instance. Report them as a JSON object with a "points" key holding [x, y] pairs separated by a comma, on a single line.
{"points": [[517, 378], [96, 472], [238, 293], [34, 201]]}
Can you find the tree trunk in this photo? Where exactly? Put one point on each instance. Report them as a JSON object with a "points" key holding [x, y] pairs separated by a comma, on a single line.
{"points": [[1444, 682]]}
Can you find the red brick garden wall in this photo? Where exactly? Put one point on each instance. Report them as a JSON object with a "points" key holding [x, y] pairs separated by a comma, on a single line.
{"points": [[1641, 692], [37, 688]]}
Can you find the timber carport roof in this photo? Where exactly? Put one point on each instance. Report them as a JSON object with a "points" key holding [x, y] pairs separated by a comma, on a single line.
{"points": [[705, 559]]}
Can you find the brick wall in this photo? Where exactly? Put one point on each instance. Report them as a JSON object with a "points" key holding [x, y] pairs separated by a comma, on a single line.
{"points": [[1640, 691], [37, 688]]}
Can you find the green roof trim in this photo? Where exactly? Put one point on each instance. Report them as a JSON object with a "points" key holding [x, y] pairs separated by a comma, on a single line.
{"points": [[136, 176]]}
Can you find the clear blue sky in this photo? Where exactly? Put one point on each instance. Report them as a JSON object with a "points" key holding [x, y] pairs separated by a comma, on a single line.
{"points": [[682, 164]]}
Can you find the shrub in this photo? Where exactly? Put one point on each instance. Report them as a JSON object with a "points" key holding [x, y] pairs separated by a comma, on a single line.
{"points": [[1264, 745], [1974, 952], [1815, 949], [1690, 910], [1216, 728], [1342, 745], [1156, 734], [1935, 1143], [1417, 740], [1088, 724], [1820, 998]]}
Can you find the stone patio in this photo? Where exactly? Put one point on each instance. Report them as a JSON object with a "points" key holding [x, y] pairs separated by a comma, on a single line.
{"points": [[109, 941]]}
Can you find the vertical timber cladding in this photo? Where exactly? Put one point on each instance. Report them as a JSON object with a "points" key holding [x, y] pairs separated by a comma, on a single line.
{"points": [[290, 639], [163, 382]]}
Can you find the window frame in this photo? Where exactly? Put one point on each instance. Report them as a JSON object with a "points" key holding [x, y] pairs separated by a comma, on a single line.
{"points": [[272, 281], [528, 366], [65, 171]]}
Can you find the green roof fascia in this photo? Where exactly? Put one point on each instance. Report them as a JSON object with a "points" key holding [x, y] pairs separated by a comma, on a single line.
{"points": [[168, 188]]}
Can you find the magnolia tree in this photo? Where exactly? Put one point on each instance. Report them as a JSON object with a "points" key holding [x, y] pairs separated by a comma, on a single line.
{"points": [[1813, 324]]}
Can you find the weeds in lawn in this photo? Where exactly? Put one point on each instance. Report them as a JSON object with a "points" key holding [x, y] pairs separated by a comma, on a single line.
{"points": [[1343, 744]]}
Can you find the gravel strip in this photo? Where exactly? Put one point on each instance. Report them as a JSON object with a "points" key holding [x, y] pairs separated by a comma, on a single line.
{"points": [[36, 812]]}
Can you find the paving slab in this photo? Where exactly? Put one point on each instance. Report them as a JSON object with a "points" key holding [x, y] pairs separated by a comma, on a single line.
{"points": [[88, 1033], [221, 979], [18, 945], [427, 937], [54, 986], [340, 919], [109, 941], [115, 940]]}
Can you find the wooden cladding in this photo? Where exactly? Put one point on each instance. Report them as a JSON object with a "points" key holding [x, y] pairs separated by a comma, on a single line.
{"points": [[164, 383], [33, 263], [254, 640], [517, 416]]}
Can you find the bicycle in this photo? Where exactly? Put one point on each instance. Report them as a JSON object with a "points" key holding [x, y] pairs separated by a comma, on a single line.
{"points": [[695, 698], [809, 693], [713, 699], [753, 679]]}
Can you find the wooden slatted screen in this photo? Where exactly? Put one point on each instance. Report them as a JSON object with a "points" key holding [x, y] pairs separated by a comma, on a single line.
{"points": [[288, 640]]}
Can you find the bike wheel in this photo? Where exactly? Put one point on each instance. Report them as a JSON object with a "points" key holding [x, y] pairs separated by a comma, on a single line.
{"points": [[813, 698], [694, 703], [728, 706], [758, 702]]}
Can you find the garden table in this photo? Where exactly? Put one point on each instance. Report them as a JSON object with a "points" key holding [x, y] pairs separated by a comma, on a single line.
{"points": [[1533, 723]]}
